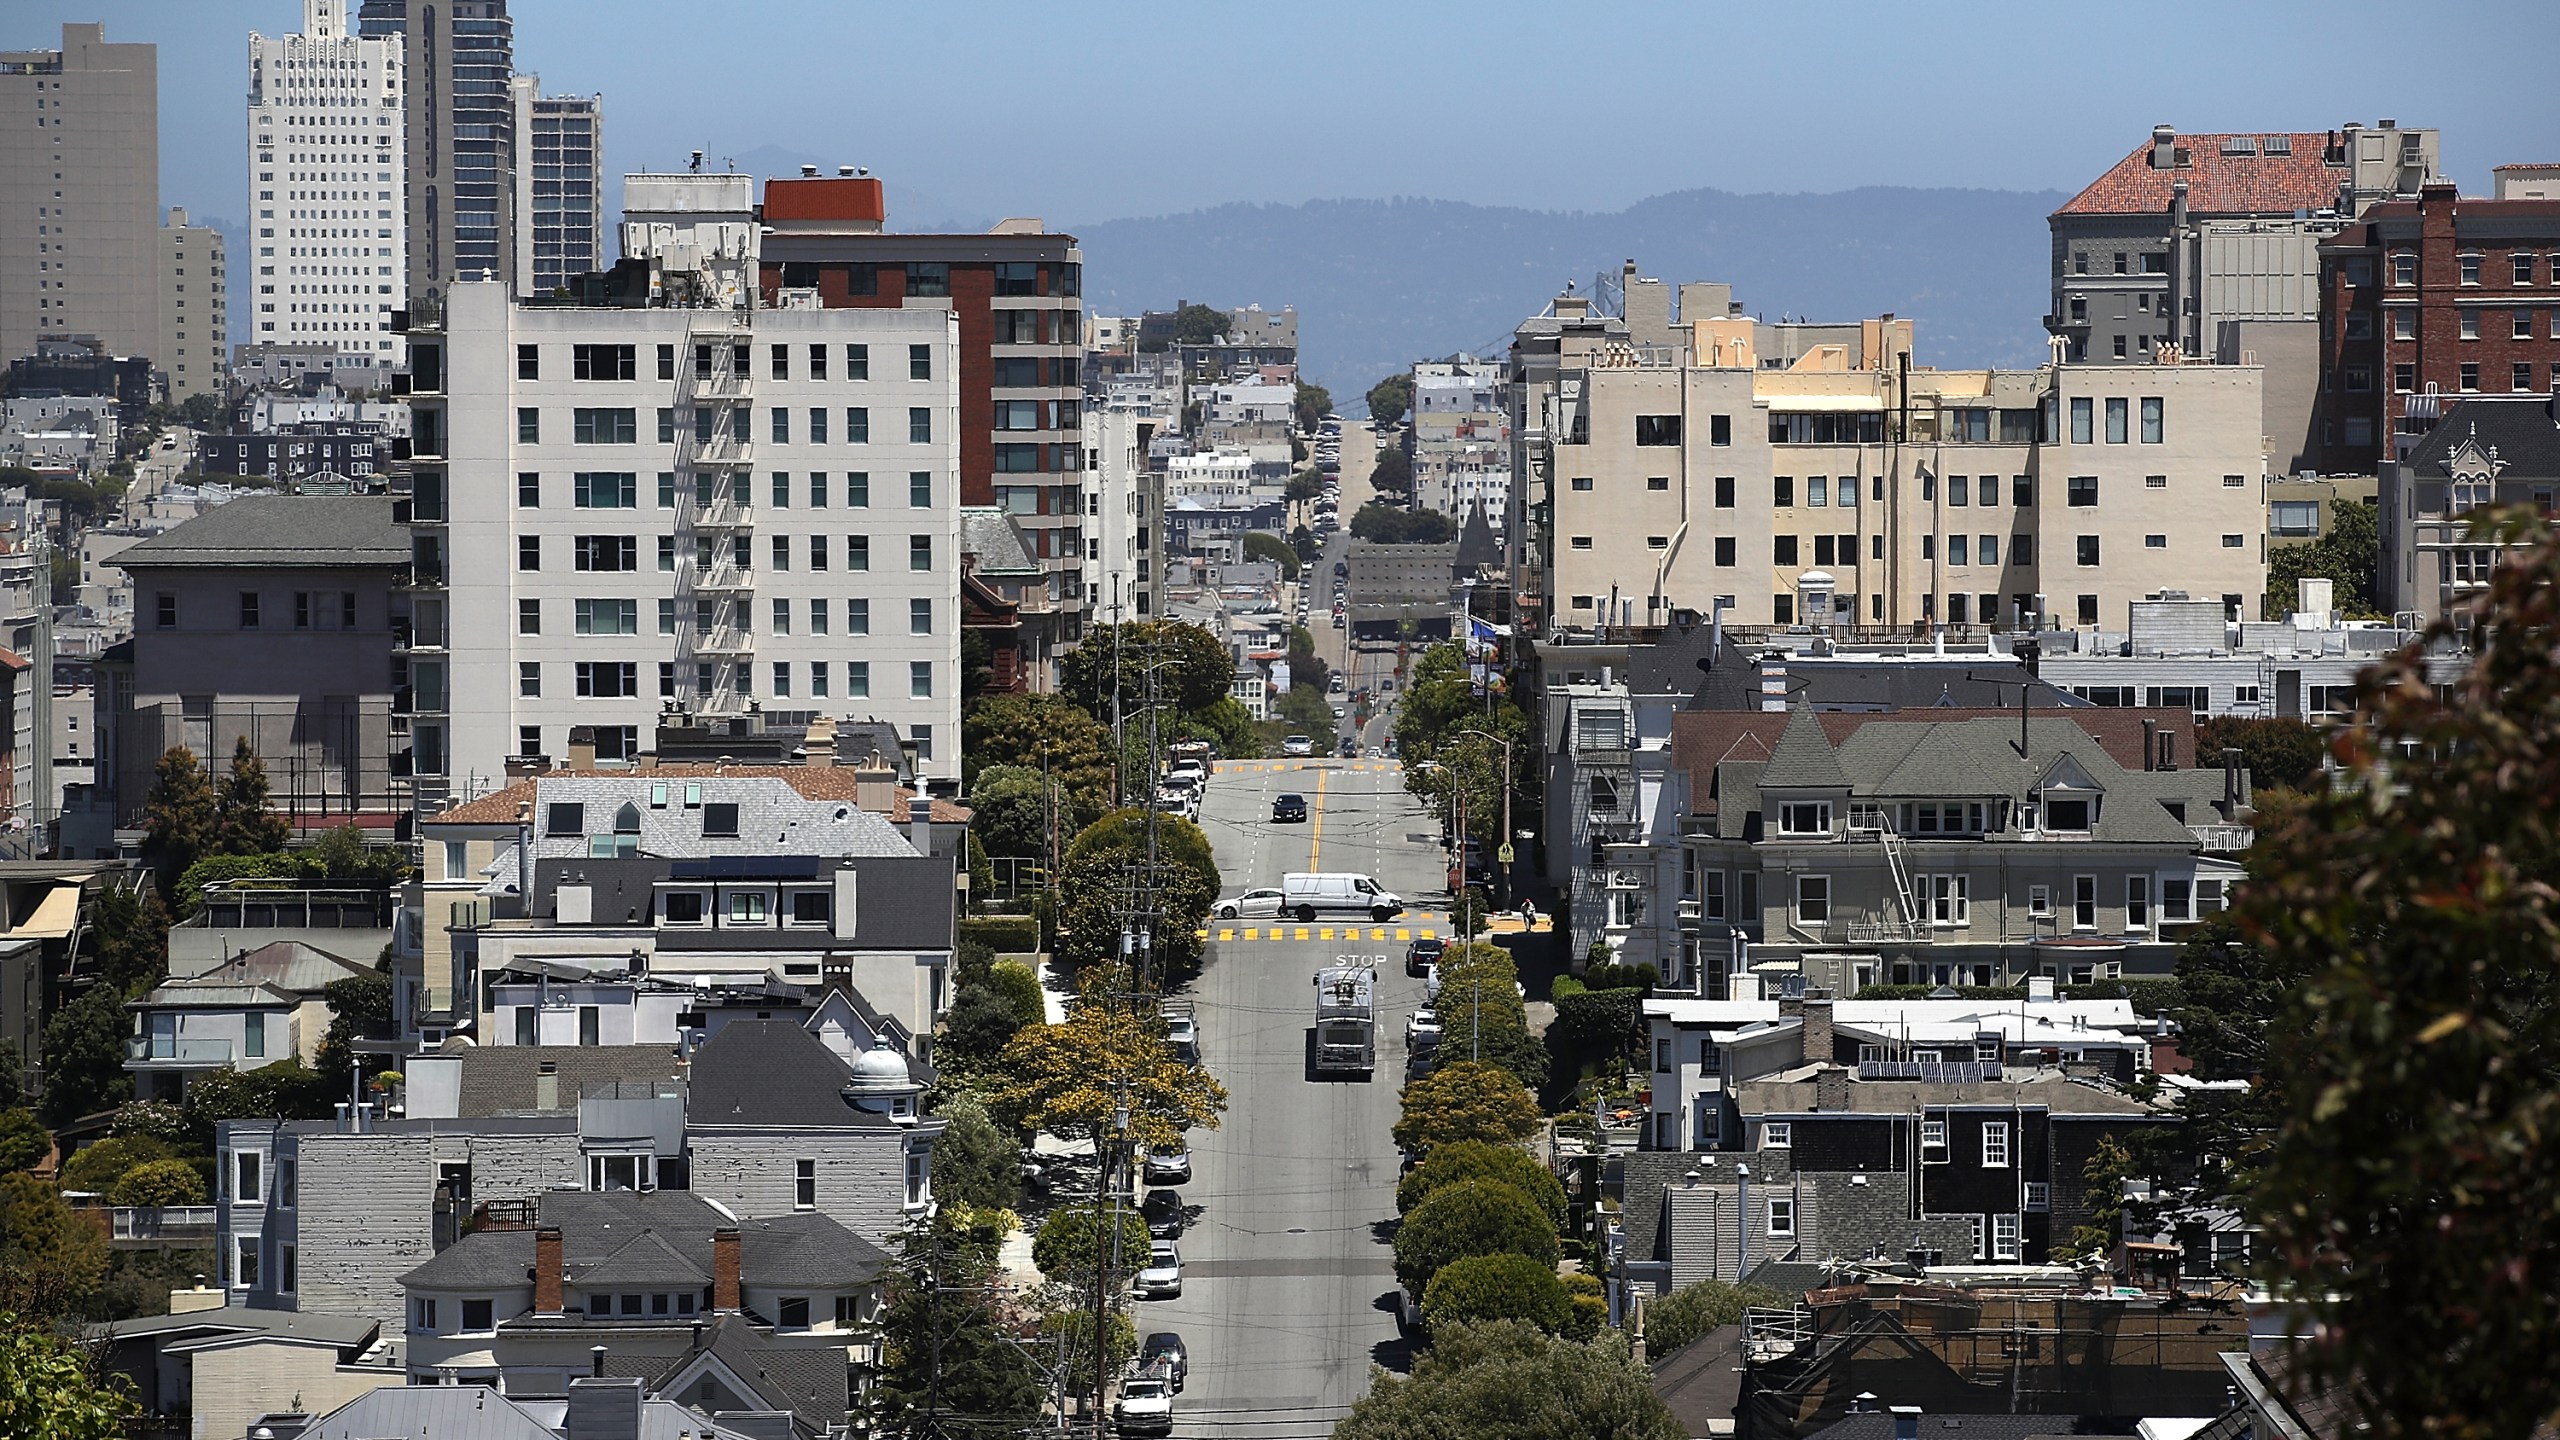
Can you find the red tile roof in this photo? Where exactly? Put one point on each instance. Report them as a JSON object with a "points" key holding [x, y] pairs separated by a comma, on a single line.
{"points": [[2217, 184], [814, 782]]}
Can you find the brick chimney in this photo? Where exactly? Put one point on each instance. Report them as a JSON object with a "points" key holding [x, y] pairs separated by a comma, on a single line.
{"points": [[1831, 1088], [724, 1271], [549, 1296], [1817, 1029]]}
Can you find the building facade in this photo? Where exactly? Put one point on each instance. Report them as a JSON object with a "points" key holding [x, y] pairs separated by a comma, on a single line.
{"points": [[1124, 504], [1015, 294], [82, 183], [195, 309], [2486, 451], [1666, 469], [328, 159], [457, 62], [2428, 301], [559, 180]]}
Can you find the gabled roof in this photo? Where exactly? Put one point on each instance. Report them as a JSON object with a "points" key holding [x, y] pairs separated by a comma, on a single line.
{"points": [[2218, 184], [1804, 758], [288, 969], [808, 1378], [655, 1238], [2522, 430], [772, 1073], [418, 1412]]}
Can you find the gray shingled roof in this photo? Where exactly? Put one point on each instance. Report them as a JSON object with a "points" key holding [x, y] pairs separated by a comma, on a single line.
{"points": [[772, 1072], [2054, 1093], [283, 532], [1804, 758], [2521, 429], [419, 1412], [996, 539], [502, 1079], [656, 1238]]}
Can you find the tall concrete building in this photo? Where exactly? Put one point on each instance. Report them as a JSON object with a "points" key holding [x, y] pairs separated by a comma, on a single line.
{"points": [[559, 182], [1016, 292], [679, 499], [328, 138], [1667, 468], [195, 308], [458, 62], [80, 185], [2208, 246]]}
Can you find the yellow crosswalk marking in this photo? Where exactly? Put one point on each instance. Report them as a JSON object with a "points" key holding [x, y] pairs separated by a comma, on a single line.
{"points": [[1227, 934], [1430, 934], [1254, 933], [1325, 934], [1404, 934], [1302, 932]]}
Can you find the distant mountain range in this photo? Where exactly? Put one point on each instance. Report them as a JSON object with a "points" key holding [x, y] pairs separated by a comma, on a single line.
{"points": [[1380, 284]]}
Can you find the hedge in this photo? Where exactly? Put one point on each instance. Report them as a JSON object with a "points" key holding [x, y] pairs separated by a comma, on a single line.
{"points": [[1004, 934]]}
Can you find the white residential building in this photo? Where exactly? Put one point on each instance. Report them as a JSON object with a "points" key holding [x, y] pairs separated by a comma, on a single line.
{"points": [[328, 142], [1123, 501], [626, 509], [1220, 472]]}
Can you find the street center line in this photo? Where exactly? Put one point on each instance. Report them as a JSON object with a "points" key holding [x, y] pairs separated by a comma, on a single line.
{"points": [[1315, 825]]}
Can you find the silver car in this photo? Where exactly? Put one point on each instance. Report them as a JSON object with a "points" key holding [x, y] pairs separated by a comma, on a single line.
{"points": [[1162, 1277]]}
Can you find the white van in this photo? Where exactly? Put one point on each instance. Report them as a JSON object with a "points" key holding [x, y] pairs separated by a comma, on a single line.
{"points": [[1307, 894]]}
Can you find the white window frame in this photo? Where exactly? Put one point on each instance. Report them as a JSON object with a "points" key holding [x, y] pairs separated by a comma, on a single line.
{"points": [[1933, 1134], [2137, 902], [804, 1181], [1981, 1237], [1782, 1216], [1995, 1145], [1777, 1135], [1818, 882], [1794, 810], [2090, 882], [2039, 900], [2005, 1231], [1949, 898], [2037, 1197]]}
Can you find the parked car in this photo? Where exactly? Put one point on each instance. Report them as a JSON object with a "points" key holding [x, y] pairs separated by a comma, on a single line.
{"points": [[1342, 568], [1168, 1165], [1163, 1211], [1289, 810], [1145, 1406], [1162, 1277], [1183, 1034], [1165, 1348], [1300, 744], [1422, 955], [1257, 904]]}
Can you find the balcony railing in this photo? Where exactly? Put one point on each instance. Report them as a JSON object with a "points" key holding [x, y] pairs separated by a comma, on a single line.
{"points": [[2224, 839], [724, 576], [163, 1222], [726, 640], [726, 514], [176, 1053]]}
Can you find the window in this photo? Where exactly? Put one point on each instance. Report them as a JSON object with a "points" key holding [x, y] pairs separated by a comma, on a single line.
{"points": [[804, 1181], [1719, 429], [2082, 421], [720, 820], [1782, 549], [2118, 414], [2087, 548], [2470, 324], [604, 552], [1805, 818], [2154, 419], [928, 277], [2470, 377], [1782, 1215], [528, 617], [2520, 376], [248, 609], [1724, 492], [919, 552], [1657, 429], [791, 1312], [2004, 1237], [1724, 550], [1933, 1134], [1813, 899], [1948, 898], [607, 617], [2084, 902], [2082, 491], [920, 489], [598, 362], [920, 679], [605, 490], [601, 426], [1782, 490], [608, 680], [529, 362], [920, 617], [1995, 1144], [919, 357], [857, 678], [2038, 1196], [2137, 902]]}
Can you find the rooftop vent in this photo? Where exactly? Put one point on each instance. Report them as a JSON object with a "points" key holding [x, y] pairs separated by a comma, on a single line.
{"points": [[2239, 145]]}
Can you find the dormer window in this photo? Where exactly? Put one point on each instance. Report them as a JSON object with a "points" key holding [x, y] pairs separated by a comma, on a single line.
{"points": [[1812, 817], [564, 820], [720, 821], [749, 907], [2067, 814], [683, 907], [812, 908]]}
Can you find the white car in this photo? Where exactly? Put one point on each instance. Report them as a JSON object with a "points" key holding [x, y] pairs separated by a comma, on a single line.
{"points": [[1162, 1277], [1168, 1166], [1183, 1033], [1299, 744], [1251, 905]]}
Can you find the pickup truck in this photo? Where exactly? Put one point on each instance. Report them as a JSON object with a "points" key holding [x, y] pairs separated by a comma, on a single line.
{"points": [[1145, 1406]]}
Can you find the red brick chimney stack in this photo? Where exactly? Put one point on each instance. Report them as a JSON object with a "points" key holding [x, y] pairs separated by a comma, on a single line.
{"points": [[549, 1296], [724, 1271]]}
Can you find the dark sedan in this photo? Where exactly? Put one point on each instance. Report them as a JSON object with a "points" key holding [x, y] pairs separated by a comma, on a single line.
{"points": [[1289, 810]]}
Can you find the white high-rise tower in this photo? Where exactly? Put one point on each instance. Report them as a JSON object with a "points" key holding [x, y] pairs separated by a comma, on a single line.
{"points": [[328, 142]]}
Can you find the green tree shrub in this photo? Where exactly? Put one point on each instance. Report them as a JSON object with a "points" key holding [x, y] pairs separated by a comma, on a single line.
{"points": [[1472, 1217], [1496, 1287], [1463, 1160]]}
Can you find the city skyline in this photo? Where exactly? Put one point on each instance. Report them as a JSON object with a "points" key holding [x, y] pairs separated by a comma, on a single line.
{"points": [[1367, 77]]}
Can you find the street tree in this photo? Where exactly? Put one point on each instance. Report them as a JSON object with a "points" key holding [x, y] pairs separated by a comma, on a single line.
{"points": [[1048, 734], [24, 1142], [1196, 324], [1693, 1310], [1463, 1160], [1192, 667], [1010, 809], [1390, 398], [1496, 1287], [1071, 1078], [1304, 486], [1314, 402], [1263, 545], [975, 1030], [84, 1056], [178, 820], [2408, 1188], [1482, 1015], [1391, 473], [1108, 879], [948, 1366], [52, 1257], [1391, 524], [49, 1386], [133, 939], [244, 817], [976, 1162], [1465, 1100], [1076, 1237], [1507, 1380], [2279, 753], [1472, 1217]]}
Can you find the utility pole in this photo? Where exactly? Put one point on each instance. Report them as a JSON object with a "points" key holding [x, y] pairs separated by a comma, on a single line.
{"points": [[1104, 1147]]}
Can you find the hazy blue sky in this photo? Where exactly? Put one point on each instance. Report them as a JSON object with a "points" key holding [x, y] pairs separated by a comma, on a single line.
{"points": [[1093, 110]]}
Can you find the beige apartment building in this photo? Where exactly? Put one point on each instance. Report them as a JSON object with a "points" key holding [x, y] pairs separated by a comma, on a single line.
{"points": [[80, 185], [1673, 467], [195, 308]]}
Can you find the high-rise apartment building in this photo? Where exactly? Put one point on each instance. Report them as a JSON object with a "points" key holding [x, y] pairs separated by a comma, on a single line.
{"points": [[1123, 506], [1666, 468], [2429, 300], [559, 180], [458, 62], [328, 145], [1015, 292], [195, 308], [80, 194], [679, 499]]}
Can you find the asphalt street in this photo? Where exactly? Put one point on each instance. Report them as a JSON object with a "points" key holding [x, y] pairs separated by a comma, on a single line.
{"points": [[1288, 1283]]}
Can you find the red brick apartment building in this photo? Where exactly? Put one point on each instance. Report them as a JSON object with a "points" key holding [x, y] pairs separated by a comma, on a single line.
{"points": [[2427, 300], [1016, 290]]}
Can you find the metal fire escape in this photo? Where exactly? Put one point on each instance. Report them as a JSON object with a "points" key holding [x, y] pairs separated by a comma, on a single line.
{"points": [[715, 513]]}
